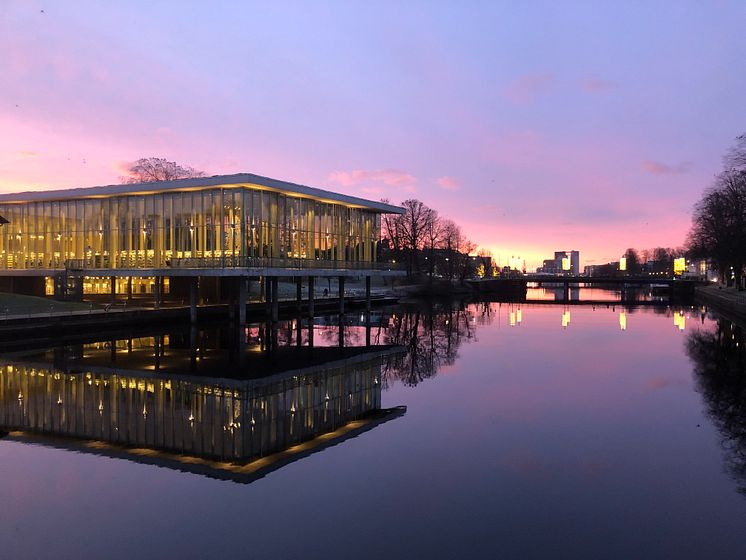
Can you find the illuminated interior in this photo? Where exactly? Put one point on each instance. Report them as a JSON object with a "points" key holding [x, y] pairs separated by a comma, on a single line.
{"points": [[207, 226]]}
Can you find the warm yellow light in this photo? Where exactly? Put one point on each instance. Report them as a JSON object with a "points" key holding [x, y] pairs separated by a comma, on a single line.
{"points": [[623, 320], [623, 263], [512, 318], [565, 263], [679, 320], [518, 316], [679, 265], [565, 319]]}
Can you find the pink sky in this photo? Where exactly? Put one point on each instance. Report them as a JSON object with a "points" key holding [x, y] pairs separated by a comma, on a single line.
{"points": [[537, 128]]}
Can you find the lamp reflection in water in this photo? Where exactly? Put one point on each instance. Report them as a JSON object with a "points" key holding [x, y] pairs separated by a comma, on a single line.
{"points": [[565, 318], [679, 320], [623, 320]]}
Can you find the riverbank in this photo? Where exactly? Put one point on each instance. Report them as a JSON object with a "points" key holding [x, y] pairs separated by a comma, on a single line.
{"points": [[728, 300]]}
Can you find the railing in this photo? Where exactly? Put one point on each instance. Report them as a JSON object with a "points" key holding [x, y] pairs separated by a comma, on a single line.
{"points": [[230, 261], [279, 262]]}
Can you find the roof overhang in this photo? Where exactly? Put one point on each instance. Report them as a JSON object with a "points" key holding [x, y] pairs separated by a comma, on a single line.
{"points": [[238, 180]]}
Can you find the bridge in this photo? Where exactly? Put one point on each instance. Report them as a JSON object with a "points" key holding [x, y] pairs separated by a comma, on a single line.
{"points": [[516, 288]]}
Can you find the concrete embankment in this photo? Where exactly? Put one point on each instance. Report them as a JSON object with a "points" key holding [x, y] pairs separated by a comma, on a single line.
{"points": [[729, 301]]}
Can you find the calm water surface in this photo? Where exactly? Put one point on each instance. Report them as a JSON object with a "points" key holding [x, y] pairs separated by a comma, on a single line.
{"points": [[539, 431]]}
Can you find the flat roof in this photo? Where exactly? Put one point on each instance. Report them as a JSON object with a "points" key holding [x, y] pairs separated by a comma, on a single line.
{"points": [[199, 183]]}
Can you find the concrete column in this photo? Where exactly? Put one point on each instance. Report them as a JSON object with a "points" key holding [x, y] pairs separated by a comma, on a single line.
{"points": [[157, 292], [275, 299], [367, 328], [367, 294], [310, 296], [113, 283], [129, 288], [193, 299], [341, 331], [341, 295], [242, 289], [298, 292], [268, 295]]}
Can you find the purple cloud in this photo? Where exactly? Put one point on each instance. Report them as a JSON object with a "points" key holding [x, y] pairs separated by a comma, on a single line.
{"points": [[448, 183], [597, 85], [528, 87], [658, 168], [392, 177]]}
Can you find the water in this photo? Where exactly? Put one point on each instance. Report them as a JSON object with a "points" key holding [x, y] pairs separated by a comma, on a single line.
{"points": [[530, 431]]}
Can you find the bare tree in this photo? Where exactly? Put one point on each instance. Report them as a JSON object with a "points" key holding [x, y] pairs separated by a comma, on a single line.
{"points": [[633, 261], [413, 227], [450, 242], [433, 235], [719, 224], [148, 170], [391, 231]]}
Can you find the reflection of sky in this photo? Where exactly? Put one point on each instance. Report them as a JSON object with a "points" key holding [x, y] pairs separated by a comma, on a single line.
{"points": [[537, 126], [587, 439]]}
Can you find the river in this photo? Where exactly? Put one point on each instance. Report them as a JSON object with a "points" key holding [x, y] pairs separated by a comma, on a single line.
{"points": [[446, 430]]}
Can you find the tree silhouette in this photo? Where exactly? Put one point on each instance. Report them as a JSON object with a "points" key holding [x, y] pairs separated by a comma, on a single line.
{"points": [[718, 359], [148, 170]]}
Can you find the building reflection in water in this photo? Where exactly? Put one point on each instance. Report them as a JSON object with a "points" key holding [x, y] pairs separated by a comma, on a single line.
{"points": [[236, 403], [720, 373], [110, 398]]}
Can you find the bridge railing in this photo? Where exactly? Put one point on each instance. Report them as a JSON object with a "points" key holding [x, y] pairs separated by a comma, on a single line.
{"points": [[231, 261]]}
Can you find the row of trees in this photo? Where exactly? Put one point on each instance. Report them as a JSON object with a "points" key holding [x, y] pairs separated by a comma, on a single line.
{"points": [[718, 230], [429, 244], [652, 261]]}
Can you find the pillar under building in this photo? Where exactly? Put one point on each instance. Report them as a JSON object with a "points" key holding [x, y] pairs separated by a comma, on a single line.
{"points": [[275, 298], [157, 292], [310, 296], [242, 293], [193, 285], [367, 294], [341, 295]]}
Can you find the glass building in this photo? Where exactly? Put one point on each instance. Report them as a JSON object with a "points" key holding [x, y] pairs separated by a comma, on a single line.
{"points": [[211, 224]]}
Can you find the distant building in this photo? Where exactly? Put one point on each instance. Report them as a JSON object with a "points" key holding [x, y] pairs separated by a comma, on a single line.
{"points": [[608, 269], [564, 262]]}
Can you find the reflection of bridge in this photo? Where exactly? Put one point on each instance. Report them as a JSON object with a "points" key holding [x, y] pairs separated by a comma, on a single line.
{"points": [[226, 428]]}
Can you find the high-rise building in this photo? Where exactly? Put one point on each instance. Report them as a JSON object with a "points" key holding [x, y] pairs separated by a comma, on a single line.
{"points": [[564, 262]]}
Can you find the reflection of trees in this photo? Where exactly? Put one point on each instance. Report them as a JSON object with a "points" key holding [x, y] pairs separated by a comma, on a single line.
{"points": [[431, 334], [718, 359]]}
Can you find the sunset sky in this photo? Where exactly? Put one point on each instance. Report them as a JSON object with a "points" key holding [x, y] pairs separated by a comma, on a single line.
{"points": [[537, 126]]}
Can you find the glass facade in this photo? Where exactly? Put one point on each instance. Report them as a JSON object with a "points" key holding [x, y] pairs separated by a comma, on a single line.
{"points": [[208, 227]]}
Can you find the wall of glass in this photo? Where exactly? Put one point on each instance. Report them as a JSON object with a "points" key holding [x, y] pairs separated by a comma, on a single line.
{"points": [[215, 224]]}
